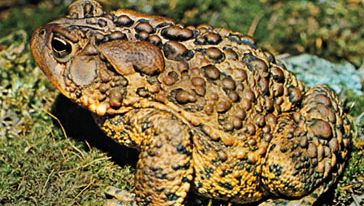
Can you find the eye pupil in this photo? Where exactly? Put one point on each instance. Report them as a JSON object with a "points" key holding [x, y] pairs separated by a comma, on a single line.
{"points": [[42, 32], [60, 47]]}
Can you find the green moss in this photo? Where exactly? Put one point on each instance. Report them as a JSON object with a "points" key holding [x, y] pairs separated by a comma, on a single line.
{"points": [[45, 168], [355, 102], [29, 17]]}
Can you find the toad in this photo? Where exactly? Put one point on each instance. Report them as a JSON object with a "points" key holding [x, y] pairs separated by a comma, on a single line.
{"points": [[208, 110]]}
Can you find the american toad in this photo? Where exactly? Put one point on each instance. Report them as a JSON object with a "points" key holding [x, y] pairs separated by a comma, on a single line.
{"points": [[207, 109]]}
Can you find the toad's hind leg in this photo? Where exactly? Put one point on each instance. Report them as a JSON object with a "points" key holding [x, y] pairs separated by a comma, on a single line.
{"points": [[308, 148], [164, 169]]}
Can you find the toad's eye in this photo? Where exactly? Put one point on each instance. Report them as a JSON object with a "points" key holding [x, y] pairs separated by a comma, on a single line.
{"points": [[61, 48]]}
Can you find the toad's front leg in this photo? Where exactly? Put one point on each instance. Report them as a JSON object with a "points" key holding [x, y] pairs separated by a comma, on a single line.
{"points": [[164, 169]]}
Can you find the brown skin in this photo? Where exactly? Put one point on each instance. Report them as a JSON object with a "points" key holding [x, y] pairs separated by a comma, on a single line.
{"points": [[206, 108]]}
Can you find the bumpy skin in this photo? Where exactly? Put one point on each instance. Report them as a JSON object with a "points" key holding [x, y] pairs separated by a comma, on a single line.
{"points": [[207, 109]]}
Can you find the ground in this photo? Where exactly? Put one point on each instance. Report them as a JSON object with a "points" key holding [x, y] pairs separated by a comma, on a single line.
{"points": [[47, 159]]}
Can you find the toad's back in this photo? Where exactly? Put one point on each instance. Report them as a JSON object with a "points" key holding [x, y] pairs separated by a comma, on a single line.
{"points": [[254, 130]]}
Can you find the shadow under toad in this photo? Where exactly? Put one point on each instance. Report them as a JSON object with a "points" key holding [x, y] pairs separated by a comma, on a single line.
{"points": [[80, 125]]}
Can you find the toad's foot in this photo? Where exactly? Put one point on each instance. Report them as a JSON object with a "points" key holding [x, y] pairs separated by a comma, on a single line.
{"points": [[120, 197]]}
